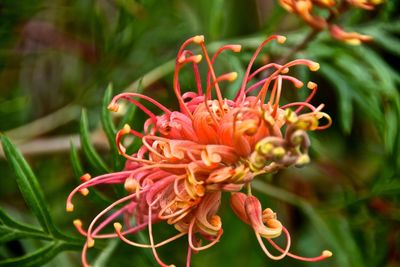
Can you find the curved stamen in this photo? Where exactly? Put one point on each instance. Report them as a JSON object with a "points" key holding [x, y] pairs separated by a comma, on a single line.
{"points": [[313, 66], [313, 87], [213, 76], [174, 214], [177, 90], [83, 255], [296, 82], [137, 228], [89, 232], [191, 234], [326, 116], [120, 234], [241, 93], [284, 252], [265, 67], [150, 148], [114, 106], [196, 73], [301, 104], [153, 248], [234, 48], [324, 255], [100, 179]]}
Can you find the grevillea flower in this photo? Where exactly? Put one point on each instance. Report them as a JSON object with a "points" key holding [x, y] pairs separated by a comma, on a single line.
{"points": [[304, 9], [189, 157]]}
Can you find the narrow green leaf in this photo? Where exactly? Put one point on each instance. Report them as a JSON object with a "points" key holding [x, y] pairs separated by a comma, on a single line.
{"points": [[8, 234], [391, 128], [385, 40], [7, 220], [87, 147], [105, 255], [96, 196], [344, 92], [29, 186], [381, 70], [109, 128], [75, 161], [387, 187], [37, 258]]}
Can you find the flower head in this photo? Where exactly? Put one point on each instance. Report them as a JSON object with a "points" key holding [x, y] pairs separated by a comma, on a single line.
{"points": [[305, 10], [189, 157]]}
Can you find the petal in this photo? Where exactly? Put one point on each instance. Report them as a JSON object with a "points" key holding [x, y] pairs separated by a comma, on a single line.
{"points": [[254, 213]]}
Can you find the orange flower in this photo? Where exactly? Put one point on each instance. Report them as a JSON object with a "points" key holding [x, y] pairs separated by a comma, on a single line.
{"points": [[304, 9], [190, 157]]}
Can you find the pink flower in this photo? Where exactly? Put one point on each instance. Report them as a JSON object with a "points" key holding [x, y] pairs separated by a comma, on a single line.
{"points": [[190, 157]]}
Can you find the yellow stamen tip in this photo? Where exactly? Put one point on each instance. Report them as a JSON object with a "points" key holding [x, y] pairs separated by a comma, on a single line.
{"points": [[90, 242], [86, 177], [126, 129], [311, 85], [353, 41], [181, 59], [113, 107], [77, 223], [131, 185], [70, 207], [314, 67], [232, 76], [299, 84], [281, 39], [117, 227], [197, 58], [84, 191], [198, 39], [285, 70], [327, 253], [236, 48]]}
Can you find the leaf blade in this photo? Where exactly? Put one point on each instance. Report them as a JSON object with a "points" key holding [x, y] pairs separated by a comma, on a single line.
{"points": [[87, 147], [29, 186]]}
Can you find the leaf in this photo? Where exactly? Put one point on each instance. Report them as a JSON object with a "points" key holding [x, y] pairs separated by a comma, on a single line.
{"points": [[391, 128], [105, 255], [109, 128], [8, 234], [387, 187], [96, 196], [380, 69], [37, 258], [385, 40], [344, 92], [75, 161], [7, 220], [87, 147], [29, 186]]}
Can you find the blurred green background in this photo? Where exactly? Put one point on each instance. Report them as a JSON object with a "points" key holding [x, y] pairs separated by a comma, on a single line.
{"points": [[58, 57]]}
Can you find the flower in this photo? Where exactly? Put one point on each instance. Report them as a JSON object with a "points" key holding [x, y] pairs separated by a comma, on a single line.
{"points": [[189, 157], [304, 9]]}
